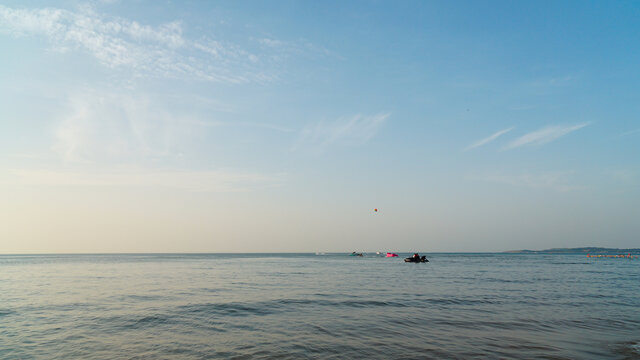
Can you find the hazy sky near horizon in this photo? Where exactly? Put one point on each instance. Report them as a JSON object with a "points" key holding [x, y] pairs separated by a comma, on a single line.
{"points": [[242, 126]]}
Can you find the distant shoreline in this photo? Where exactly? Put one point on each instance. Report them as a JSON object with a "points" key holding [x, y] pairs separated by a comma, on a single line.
{"points": [[580, 250]]}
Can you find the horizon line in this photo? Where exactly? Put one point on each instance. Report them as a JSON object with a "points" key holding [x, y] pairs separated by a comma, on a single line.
{"points": [[305, 252]]}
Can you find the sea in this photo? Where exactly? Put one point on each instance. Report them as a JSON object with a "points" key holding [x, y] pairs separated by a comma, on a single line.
{"points": [[318, 306]]}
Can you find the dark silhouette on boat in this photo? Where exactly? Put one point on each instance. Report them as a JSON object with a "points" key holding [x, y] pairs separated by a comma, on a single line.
{"points": [[416, 259]]}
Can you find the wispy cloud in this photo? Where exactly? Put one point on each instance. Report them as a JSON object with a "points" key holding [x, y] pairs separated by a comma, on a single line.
{"points": [[107, 127], [558, 181], [544, 135], [272, 42], [199, 181], [354, 130], [488, 139], [116, 42]]}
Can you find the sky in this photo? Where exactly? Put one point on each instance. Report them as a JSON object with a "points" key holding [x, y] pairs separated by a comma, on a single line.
{"points": [[279, 126]]}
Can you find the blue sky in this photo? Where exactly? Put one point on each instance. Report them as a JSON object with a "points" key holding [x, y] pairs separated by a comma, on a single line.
{"points": [[191, 126]]}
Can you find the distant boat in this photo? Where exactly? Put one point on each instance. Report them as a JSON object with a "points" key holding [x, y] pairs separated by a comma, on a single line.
{"points": [[355, 254], [422, 259], [391, 255]]}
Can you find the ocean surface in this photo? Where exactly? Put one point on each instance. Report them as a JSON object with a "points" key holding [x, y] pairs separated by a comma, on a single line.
{"points": [[308, 306]]}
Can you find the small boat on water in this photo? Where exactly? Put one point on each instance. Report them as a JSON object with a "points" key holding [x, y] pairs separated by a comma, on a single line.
{"points": [[355, 254], [416, 259], [391, 255]]}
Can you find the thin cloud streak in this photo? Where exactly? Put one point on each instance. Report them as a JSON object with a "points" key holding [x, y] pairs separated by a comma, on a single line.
{"points": [[354, 130], [544, 135], [487, 139]]}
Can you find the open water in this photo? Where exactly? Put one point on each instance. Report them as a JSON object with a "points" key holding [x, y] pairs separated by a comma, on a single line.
{"points": [[304, 306]]}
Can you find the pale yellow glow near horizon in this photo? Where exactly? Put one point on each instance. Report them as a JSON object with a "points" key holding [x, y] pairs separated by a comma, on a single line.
{"points": [[107, 219], [171, 213]]}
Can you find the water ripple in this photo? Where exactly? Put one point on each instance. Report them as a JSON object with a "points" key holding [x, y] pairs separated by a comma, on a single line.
{"points": [[329, 307]]}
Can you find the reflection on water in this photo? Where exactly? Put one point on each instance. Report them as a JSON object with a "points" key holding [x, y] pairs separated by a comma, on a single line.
{"points": [[307, 306]]}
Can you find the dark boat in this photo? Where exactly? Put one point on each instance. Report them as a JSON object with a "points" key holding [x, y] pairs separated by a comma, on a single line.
{"points": [[416, 260]]}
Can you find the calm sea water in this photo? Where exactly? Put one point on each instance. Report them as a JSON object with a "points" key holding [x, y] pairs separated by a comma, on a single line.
{"points": [[297, 306]]}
